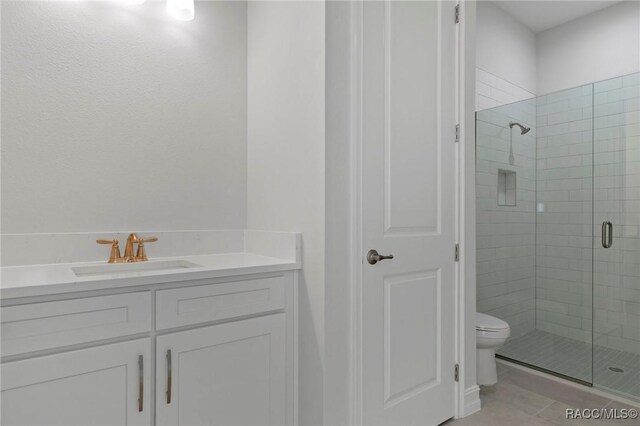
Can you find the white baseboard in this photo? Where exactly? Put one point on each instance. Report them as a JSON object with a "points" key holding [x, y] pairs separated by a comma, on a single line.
{"points": [[471, 401]]}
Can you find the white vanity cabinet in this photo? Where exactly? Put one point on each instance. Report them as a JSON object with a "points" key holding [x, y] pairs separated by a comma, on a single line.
{"points": [[217, 351], [104, 385], [228, 374]]}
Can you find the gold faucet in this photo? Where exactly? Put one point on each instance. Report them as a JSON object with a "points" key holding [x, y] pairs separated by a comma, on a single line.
{"points": [[128, 249], [140, 256]]}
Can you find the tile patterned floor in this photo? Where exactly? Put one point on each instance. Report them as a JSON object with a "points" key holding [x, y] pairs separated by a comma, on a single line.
{"points": [[525, 399], [573, 358]]}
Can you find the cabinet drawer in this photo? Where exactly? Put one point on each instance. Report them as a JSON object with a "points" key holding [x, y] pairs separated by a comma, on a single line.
{"points": [[39, 326], [211, 302]]}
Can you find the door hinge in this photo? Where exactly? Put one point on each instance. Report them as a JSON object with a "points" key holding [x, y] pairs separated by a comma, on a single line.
{"points": [[457, 133], [457, 13], [456, 372], [456, 255]]}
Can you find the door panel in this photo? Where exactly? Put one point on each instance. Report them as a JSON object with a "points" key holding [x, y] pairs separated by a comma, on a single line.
{"points": [[412, 361], [408, 211], [411, 118], [228, 374], [96, 386]]}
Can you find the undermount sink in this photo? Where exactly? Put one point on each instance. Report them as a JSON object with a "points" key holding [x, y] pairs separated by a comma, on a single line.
{"points": [[128, 268]]}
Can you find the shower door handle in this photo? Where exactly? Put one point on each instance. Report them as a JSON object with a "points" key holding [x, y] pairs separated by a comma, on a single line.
{"points": [[607, 234]]}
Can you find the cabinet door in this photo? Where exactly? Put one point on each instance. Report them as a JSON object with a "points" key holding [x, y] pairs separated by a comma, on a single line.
{"points": [[95, 386], [228, 374]]}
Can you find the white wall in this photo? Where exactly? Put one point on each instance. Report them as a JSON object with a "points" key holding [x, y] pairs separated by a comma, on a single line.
{"points": [[338, 214], [512, 60], [121, 118], [602, 45], [286, 159], [505, 47]]}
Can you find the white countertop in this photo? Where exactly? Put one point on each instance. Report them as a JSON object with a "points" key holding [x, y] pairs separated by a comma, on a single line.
{"points": [[39, 280]]}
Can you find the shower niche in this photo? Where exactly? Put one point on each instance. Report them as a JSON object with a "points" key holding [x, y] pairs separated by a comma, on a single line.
{"points": [[506, 187]]}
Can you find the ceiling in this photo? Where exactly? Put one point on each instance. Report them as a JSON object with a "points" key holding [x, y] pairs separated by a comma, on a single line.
{"points": [[542, 15]]}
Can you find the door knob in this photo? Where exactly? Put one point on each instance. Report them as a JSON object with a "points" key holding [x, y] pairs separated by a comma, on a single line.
{"points": [[374, 257]]}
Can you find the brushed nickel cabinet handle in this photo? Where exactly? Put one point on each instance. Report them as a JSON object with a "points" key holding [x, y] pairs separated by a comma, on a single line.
{"points": [[140, 383], [169, 376]]}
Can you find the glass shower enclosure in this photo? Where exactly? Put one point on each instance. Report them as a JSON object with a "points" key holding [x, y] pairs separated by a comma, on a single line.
{"points": [[558, 231]]}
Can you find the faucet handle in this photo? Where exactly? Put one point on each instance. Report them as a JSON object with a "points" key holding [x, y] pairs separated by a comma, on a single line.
{"points": [[115, 250], [141, 255], [107, 241]]}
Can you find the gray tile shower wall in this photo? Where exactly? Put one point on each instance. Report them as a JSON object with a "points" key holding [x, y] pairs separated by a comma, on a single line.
{"points": [[564, 213]]}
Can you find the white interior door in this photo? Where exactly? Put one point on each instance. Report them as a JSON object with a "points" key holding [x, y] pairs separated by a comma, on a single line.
{"points": [[408, 211]]}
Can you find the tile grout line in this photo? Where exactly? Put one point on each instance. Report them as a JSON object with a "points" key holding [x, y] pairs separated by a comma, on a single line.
{"points": [[553, 401]]}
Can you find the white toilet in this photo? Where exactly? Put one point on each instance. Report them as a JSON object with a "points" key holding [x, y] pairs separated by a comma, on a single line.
{"points": [[491, 333]]}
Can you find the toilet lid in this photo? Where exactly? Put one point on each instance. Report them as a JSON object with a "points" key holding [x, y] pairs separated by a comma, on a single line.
{"points": [[488, 323]]}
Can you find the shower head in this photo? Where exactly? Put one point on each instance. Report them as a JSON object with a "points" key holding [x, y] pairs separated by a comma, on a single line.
{"points": [[523, 129]]}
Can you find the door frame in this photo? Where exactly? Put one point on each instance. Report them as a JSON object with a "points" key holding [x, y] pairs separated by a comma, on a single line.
{"points": [[466, 391]]}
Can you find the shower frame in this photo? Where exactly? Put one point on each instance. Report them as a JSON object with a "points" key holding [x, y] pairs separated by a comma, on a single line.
{"points": [[599, 237]]}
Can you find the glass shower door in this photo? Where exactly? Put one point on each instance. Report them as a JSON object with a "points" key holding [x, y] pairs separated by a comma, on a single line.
{"points": [[562, 340], [616, 267]]}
